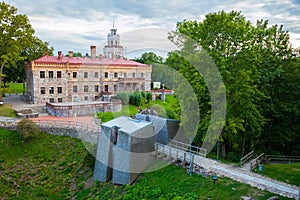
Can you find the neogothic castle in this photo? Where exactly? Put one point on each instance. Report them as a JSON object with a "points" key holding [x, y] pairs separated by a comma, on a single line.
{"points": [[65, 79]]}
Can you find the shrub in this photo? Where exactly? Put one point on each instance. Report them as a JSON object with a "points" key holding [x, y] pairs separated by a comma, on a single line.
{"points": [[27, 129], [124, 97], [149, 97], [136, 99]]}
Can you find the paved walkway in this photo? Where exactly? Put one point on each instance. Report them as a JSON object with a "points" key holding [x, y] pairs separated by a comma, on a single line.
{"points": [[253, 179], [17, 102]]}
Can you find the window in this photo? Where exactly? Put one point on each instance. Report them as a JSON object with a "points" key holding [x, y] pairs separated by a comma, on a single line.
{"points": [[106, 75], [58, 74], [43, 90], [59, 90], [85, 74], [116, 75], [115, 88], [133, 75], [96, 74], [96, 88], [74, 88], [85, 88], [50, 74], [51, 100], [86, 98], [142, 75], [59, 100], [51, 90], [75, 99], [106, 88], [42, 74], [74, 74], [125, 75]]}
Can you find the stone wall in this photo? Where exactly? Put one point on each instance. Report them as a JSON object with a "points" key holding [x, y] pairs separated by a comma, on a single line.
{"points": [[67, 110]]}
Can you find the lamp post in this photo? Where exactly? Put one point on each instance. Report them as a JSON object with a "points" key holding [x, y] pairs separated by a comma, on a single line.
{"points": [[218, 149], [191, 159]]}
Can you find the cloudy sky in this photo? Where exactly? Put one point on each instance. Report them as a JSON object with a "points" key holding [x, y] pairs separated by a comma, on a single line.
{"points": [[143, 25]]}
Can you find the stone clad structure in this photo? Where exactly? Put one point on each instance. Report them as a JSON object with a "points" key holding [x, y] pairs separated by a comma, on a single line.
{"points": [[124, 150], [65, 79]]}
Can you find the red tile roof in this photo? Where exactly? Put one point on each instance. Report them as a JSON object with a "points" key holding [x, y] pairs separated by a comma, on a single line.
{"points": [[76, 60]]}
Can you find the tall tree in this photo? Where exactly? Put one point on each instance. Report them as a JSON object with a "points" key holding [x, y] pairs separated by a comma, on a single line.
{"points": [[149, 58], [15, 34], [249, 57]]}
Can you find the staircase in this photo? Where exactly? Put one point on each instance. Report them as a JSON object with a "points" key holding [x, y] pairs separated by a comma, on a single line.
{"points": [[250, 161]]}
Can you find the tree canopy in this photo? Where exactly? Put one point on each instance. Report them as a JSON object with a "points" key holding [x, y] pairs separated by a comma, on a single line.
{"points": [[17, 42], [253, 60]]}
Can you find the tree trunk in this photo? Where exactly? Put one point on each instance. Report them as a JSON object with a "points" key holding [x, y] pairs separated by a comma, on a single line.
{"points": [[23, 87], [244, 139], [1, 70], [223, 150]]}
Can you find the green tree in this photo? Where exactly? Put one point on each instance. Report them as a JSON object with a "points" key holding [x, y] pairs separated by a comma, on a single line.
{"points": [[36, 48], [149, 58], [15, 34], [248, 57]]}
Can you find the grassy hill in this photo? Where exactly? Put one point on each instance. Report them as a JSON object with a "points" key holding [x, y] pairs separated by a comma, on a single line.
{"points": [[55, 167]]}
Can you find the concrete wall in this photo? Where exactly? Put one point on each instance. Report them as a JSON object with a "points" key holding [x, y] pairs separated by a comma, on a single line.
{"points": [[103, 162], [165, 129], [128, 155], [132, 154]]}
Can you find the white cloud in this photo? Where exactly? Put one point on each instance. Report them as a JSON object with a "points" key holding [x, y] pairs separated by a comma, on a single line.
{"points": [[75, 25]]}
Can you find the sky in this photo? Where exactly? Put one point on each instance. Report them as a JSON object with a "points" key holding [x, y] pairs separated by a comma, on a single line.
{"points": [[143, 25]]}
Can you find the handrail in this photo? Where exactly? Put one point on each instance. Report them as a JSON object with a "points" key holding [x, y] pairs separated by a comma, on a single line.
{"points": [[246, 158], [254, 162], [274, 158], [186, 147], [58, 124]]}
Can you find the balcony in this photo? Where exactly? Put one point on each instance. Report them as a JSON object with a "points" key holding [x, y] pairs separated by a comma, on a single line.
{"points": [[131, 80]]}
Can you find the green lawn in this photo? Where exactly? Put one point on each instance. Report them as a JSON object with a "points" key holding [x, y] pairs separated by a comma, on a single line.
{"points": [[13, 88], [288, 173], [127, 110], [56, 167], [7, 111], [164, 109]]}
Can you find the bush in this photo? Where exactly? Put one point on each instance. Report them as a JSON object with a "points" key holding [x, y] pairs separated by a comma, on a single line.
{"points": [[27, 129], [124, 97], [149, 97], [136, 99]]}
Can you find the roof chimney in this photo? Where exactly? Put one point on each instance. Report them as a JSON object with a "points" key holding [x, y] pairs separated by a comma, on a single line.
{"points": [[59, 55], [70, 54], [93, 51]]}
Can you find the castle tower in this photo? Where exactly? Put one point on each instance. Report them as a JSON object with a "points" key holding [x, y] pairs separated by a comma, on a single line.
{"points": [[113, 49]]}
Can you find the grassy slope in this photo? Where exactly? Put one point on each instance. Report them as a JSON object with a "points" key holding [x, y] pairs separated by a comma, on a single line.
{"points": [[288, 173], [49, 167], [7, 111], [55, 167]]}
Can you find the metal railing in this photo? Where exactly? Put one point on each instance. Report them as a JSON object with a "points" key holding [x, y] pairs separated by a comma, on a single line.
{"points": [[186, 147], [256, 161], [282, 159], [56, 124], [246, 158]]}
